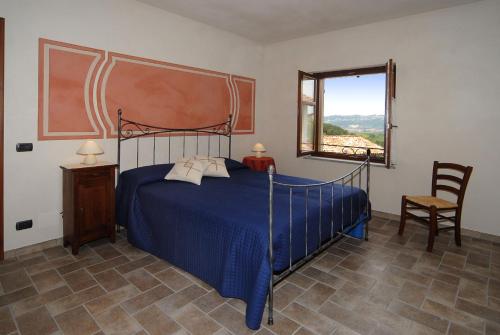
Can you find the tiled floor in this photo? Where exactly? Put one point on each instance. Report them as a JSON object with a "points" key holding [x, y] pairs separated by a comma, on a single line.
{"points": [[388, 285]]}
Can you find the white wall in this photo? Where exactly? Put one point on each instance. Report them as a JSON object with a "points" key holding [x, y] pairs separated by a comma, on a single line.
{"points": [[447, 107], [33, 180]]}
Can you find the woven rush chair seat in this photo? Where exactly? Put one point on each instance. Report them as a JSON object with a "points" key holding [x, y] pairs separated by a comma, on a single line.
{"points": [[428, 201]]}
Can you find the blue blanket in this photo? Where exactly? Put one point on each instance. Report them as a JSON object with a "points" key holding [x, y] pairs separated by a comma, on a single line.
{"points": [[218, 231]]}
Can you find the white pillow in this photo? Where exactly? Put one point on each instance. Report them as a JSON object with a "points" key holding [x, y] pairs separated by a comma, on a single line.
{"points": [[213, 167], [186, 169]]}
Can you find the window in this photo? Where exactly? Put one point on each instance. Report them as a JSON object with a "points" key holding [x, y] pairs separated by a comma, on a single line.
{"points": [[343, 113]]}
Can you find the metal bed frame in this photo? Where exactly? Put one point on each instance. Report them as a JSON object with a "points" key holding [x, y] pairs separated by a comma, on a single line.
{"points": [[334, 236], [128, 129]]}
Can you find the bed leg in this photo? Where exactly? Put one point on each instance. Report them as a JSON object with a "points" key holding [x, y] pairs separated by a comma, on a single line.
{"points": [[270, 305], [270, 172]]}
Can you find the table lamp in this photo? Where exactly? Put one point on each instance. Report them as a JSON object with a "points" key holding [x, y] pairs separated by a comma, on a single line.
{"points": [[258, 148], [89, 149]]}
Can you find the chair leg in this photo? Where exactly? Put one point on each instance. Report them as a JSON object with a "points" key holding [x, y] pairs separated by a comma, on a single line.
{"points": [[458, 230], [402, 221], [432, 228]]}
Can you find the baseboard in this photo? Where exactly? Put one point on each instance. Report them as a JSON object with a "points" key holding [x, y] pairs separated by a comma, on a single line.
{"points": [[30, 249], [465, 231]]}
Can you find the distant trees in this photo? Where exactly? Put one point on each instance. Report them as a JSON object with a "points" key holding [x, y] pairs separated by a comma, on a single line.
{"points": [[331, 129]]}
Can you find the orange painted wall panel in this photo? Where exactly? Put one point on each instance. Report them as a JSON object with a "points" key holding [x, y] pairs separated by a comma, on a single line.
{"points": [[66, 105], [76, 86]]}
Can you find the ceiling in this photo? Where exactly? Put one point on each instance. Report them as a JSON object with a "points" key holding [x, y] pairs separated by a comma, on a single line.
{"points": [[268, 21]]}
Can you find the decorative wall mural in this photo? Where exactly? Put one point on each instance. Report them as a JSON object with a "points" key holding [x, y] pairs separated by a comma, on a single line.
{"points": [[80, 90]]}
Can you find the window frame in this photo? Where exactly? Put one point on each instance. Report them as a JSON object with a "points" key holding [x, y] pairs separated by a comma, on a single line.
{"points": [[389, 69]]}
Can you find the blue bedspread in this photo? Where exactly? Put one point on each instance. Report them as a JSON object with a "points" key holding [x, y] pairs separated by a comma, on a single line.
{"points": [[218, 231]]}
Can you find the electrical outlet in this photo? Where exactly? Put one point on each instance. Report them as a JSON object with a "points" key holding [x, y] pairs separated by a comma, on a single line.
{"points": [[21, 147], [26, 224]]}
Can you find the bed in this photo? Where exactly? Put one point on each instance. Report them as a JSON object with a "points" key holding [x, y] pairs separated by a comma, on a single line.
{"points": [[243, 234]]}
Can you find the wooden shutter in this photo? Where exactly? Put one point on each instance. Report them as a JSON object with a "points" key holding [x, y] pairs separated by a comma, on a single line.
{"points": [[390, 96], [307, 113]]}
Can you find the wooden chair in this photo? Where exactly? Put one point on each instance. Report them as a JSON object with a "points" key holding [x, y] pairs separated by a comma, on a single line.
{"points": [[436, 206]]}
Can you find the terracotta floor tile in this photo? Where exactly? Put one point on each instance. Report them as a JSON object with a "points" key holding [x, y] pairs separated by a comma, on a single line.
{"points": [[195, 321], [55, 252], [110, 280], [405, 261], [417, 315], [156, 322], [173, 279], [107, 252], [110, 299], [453, 260], [209, 301], [39, 300], [14, 281], [314, 297], [117, 321], [327, 262], [231, 319], [81, 263], [147, 298], [409, 275], [142, 279], [442, 292], [174, 302], [79, 280], [323, 277], [358, 323], [157, 266], [285, 295], [352, 262], [139, 263], [74, 300], [36, 322], [300, 280], [354, 277], [77, 322], [314, 321], [103, 266], [48, 280], [412, 294], [7, 324], [460, 330], [452, 314], [382, 294], [349, 295], [494, 288], [304, 331], [17, 295], [478, 310]]}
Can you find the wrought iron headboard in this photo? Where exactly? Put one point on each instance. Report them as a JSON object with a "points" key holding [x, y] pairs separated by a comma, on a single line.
{"points": [[128, 129]]}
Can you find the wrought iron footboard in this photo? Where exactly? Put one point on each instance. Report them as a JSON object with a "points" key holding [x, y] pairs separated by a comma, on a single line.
{"points": [[323, 243]]}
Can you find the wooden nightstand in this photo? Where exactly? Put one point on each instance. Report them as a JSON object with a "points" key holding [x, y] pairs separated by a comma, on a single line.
{"points": [[88, 203], [259, 164]]}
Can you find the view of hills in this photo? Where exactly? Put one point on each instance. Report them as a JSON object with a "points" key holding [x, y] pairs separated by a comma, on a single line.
{"points": [[357, 123]]}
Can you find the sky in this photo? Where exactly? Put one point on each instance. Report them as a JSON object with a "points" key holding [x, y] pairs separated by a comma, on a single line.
{"points": [[363, 95]]}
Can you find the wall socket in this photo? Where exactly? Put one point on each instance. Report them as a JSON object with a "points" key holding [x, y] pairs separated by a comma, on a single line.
{"points": [[24, 224]]}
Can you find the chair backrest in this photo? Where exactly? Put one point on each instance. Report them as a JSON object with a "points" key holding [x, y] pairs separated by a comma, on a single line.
{"points": [[460, 181]]}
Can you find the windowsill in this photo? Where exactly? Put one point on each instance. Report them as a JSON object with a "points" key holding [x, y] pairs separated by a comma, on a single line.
{"points": [[338, 160]]}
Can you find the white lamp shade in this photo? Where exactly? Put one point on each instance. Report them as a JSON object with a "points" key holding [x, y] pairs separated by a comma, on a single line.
{"points": [[258, 148], [90, 148]]}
